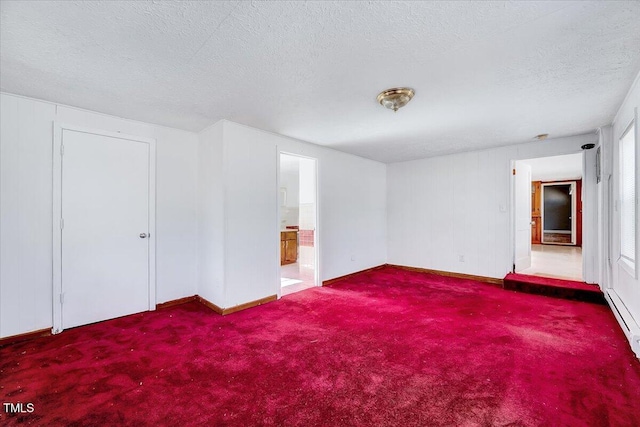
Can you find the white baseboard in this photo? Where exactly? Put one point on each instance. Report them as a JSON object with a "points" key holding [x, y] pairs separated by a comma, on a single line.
{"points": [[627, 323]]}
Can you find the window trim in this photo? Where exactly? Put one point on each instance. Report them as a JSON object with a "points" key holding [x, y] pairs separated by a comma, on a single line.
{"points": [[629, 266]]}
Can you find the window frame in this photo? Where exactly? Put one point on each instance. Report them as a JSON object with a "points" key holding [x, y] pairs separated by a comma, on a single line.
{"points": [[627, 264]]}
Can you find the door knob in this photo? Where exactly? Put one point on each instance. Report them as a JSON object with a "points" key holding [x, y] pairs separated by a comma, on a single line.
{"points": [[143, 235]]}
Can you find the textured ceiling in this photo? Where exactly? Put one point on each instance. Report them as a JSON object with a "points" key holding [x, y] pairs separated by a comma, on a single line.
{"points": [[485, 73]]}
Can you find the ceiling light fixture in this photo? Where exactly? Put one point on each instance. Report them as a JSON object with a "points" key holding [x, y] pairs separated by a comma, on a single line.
{"points": [[542, 136], [395, 98]]}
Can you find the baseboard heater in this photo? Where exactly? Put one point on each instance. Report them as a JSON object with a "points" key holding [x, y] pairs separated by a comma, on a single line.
{"points": [[626, 321]]}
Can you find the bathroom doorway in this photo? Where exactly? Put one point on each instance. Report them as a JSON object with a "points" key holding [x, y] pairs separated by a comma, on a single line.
{"points": [[298, 223]]}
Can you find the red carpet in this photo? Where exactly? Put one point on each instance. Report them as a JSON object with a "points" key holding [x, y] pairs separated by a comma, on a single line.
{"points": [[386, 348], [557, 288]]}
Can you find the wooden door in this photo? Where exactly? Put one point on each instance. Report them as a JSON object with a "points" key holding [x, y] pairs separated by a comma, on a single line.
{"points": [[536, 213], [288, 247], [291, 251], [283, 251]]}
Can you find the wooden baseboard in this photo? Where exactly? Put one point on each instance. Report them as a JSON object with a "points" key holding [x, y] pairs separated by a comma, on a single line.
{"points": [[214, 307], [249, 304], [23, 337], [175, 302], [229, 310], [185, 300], [346, 276], [484, 279], [209, 304], [223, 311]]}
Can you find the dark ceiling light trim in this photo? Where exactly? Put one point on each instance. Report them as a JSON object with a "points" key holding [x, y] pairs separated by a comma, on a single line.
{"points": [[395, 98]]}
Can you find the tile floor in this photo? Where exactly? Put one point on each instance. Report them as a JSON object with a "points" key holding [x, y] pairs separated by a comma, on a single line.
{"points": [[557, 261], [296, 277]]}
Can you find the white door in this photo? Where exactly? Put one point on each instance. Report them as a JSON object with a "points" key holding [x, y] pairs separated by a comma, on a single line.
{"points": [[105, 231], [522, 197]]}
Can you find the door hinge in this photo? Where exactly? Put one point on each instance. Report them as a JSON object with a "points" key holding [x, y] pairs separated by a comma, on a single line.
{"points": [[62, 149], [514, 171], [62, 298], [61, 223]]}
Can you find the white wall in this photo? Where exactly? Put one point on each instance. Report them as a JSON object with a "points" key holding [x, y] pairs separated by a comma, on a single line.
{"points": [[211, 215], [251, 216], [442, 208], [307, 181], [307, 214], [352, 203], [556, 168], [290, 181], [591, 202], [604, 210], [26, 203], [26, 256], [351, 199]]}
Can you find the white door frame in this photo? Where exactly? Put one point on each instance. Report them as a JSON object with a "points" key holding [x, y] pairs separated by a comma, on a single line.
{"points": [[57, 213], [316, 234]]}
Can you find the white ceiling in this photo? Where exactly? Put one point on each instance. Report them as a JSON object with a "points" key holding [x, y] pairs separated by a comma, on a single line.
{"points": [[485, 73], [554, 168]]}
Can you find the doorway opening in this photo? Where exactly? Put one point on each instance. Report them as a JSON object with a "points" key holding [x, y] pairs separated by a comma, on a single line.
{"points": [[559, 207], [549, 202], [298, 220]]}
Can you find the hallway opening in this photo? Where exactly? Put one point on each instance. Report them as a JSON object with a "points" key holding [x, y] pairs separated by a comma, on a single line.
{"points": [[554, 248], [298, 210]]}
